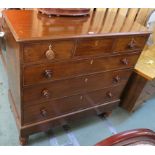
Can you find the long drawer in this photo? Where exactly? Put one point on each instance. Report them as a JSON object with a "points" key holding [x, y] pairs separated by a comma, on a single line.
{"points": [[34, 74], [63, 88], [71, 104]]}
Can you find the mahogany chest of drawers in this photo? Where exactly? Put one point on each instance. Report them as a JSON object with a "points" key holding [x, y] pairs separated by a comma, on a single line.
{"points": [[63, 68]]}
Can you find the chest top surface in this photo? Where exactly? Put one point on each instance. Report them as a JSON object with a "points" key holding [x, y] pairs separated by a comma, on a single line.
{"points": [[30, 25]]}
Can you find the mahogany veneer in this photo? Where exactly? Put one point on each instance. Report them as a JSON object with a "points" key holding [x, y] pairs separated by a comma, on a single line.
{"points": [[62, 68], [132, 137]]}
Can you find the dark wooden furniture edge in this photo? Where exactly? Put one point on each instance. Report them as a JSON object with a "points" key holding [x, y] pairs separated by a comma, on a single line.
{"points": [[127, 135], [136, 83], [84, 36], [71, 37], [64, 11]]}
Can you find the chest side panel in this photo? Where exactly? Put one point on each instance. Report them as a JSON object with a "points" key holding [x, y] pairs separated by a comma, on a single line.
{"points": [[13, 69]]}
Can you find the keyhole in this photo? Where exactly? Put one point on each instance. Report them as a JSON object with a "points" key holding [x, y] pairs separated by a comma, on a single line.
{"points": [[91, 62], [86, 80]]}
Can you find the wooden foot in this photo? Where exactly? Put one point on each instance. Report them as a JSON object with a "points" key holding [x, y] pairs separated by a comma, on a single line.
{"points": [[105, 114], [23, 140], [108, 113]]}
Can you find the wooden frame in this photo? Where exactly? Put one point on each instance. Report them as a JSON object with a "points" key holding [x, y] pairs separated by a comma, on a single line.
{"points": [[131, 137]]}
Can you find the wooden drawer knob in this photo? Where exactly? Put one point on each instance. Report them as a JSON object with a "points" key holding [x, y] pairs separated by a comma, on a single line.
{"points": [[132, 45], [117, 78], [109, 94], [48, 74], [43, 112], [45, 93], [124, 61], [50, 53]]}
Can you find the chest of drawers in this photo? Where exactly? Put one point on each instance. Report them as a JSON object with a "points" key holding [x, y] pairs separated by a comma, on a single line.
{"points": [[62, 68]]}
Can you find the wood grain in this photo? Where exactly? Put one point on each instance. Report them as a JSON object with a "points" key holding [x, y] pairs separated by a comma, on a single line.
{"points": [[59, 89], [63, 106], [61, 27], [134, 88], [83, 72], [37, 51], [62, 70]]}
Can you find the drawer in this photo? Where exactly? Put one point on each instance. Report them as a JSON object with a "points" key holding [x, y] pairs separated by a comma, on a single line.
{"points": [[53, 71], [48, 51], [63, 88], [55, 108], [129, 43], [94, 46]]}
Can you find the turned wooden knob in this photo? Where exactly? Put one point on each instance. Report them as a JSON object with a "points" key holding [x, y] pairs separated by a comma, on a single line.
{"points": [[43, 112], [117, 78], [109, 94], [132, 44], [45, 93], [48, 73], [124, 61], [50, 53]]}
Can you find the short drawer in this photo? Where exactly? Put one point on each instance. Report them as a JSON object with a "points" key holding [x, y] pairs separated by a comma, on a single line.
{"points": [[94, 46], [48, 51], [55, 108], [69, 87], [129, 43], [34, 74]]}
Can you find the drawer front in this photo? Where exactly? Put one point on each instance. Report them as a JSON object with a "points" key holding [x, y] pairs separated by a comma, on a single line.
{"points": [[94, 46], [48, 51], [71, 104], [129, 43], [63, 88], [54, 71]]}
